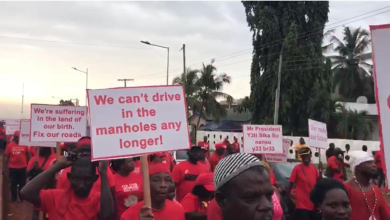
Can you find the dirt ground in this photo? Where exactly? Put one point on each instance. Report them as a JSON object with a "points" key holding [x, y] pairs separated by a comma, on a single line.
{"points": [[18, 211]]}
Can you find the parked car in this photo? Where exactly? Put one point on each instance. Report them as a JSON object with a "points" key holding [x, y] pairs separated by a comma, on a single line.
{"points": [[180, 155]]}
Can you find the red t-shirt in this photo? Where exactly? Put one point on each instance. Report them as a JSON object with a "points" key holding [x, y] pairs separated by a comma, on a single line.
{"points": [[207, 164], [214, 159], [64, 184], [272, 178], [171, 211], [40, 162], [236, 146], [128, 191], [304, 178], [168, 159], [378, 156], [17, 155], [184, 175], [33, 151], [214, 211], [206, 145], [359, 206], [64, 205], [137, 167], [191, 203], [334, 164]]}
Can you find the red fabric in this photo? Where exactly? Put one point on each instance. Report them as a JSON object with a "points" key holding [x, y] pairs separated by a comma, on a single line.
{"points": [[30, 164], [220, 146], [64, 205], [191, 203], [128, 191], [33, 151], [214, 211], [272, 178], [158, 168], [171, 211], [359, 206], [207, 164], [236, 146], [214, 159], [2, 132], [64, 184], [168, 159], [137, 167], [304, 185], [184, 175], [334, 164], [378, 159], [17, 155], [85, 141]]}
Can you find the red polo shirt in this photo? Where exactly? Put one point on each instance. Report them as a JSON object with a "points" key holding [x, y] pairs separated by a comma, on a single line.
{"points": [[304, 178]]}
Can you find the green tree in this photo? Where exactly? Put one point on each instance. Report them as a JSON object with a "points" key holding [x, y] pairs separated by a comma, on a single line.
{"points": [[353, 123], [300, 25], [66, 102], [352, 71], [244, 105], [189, 81]]}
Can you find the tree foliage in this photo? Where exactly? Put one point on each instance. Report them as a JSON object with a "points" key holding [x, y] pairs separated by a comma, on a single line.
{"points": [[305, 77], [352, 70], [66, 102]]}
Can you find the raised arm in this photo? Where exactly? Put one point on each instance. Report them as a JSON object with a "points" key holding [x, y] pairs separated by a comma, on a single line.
{"points": [[106, 200]]}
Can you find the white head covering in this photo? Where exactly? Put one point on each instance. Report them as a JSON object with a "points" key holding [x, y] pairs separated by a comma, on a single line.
{"points": [[359, 157]]}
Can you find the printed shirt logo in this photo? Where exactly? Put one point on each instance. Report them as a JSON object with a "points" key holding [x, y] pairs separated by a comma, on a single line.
{"points": [[130, 201], [130, 187], [17, 150], [136, 169]]}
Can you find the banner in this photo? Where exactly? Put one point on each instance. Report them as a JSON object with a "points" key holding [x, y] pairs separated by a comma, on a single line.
{"points": [[24, 138], [263, 139], [380, 36], [318, 134], [280, 157], [57, 123], [11, 125], [137, 120]]}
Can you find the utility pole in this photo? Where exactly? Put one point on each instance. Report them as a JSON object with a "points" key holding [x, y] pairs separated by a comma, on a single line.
{"points": [[277, 93], [125, 80], [184, 58]]}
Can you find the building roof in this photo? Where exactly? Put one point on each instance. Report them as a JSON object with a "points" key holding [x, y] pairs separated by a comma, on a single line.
{"points": [[371, 109]]}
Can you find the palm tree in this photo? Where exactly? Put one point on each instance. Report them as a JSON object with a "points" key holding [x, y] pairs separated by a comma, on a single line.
{"points": [[188, 80], [352, 123], [351, 70]]}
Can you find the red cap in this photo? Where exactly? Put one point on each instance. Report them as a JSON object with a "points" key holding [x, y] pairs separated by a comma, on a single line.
{"points": [[17, 133], [62, 146], [84, 141], [155, 168], [206, 180], [220, 145]]}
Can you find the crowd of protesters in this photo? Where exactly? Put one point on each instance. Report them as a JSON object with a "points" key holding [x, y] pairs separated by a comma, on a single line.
{"points": [[220, 185]]}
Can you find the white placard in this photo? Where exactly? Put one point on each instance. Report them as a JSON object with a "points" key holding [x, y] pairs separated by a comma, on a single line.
{"points": [[138, 120], [380, 36], [318, 134], [280, 157], [24, 138], [11, 125], [263, 139], [57, 123]]}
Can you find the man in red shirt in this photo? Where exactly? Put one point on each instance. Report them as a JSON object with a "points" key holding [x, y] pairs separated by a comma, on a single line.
{"points": [[162, 208], [196, 202], [381, 174], [15, 161], [217, 155], [335, 168], [203, 159], [78, 202], [236, 145], [304, 176], [366, 199], [205, 144], [185, 173]]}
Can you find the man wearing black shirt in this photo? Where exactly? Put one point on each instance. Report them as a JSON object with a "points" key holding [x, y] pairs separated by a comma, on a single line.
{"points": [[330, 151]]}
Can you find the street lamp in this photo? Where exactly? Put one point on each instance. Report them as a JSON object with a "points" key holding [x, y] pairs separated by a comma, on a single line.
{"points": [[86, 83], [148, 43]]}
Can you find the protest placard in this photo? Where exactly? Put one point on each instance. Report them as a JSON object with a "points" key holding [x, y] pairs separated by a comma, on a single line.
{"points": [[263, 139], [380, 36], [280, 157], [57, 123], [137, 120], [318, 135], [24, 138], [11, 125]]}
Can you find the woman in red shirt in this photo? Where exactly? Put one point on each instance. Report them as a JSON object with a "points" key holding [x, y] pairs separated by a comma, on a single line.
{"points": [[162, 208], [196, 202], [128, 185]]}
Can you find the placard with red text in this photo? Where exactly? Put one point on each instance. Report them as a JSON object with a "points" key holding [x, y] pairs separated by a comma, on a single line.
{"points": [[138, 120], [11, 125], [280, 157], [57, 123], [24, 138], [263, 139], [318, 134]]}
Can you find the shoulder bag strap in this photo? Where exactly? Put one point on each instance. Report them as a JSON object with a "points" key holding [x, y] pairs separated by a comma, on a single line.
{"points": [[311, 187]]}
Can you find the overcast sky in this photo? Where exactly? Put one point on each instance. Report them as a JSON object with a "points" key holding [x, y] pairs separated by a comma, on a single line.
{"points": [[209, 30]]}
